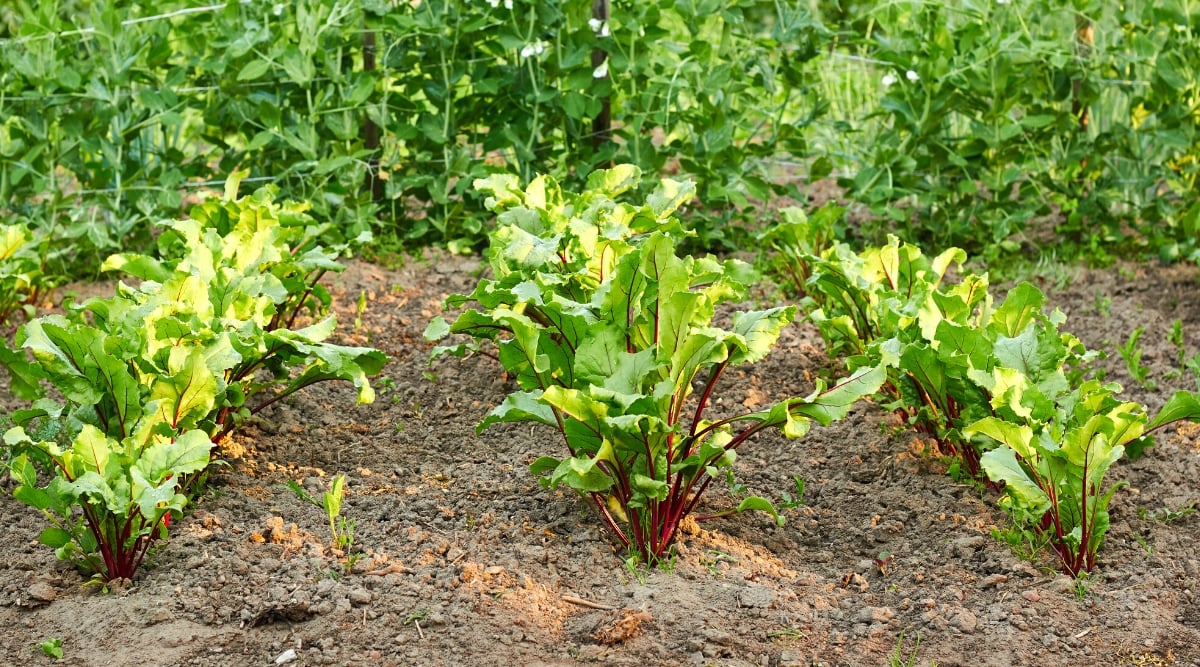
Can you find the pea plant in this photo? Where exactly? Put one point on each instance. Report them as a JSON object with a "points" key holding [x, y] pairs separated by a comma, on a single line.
{"points": [[614, 341], [153, 376]]}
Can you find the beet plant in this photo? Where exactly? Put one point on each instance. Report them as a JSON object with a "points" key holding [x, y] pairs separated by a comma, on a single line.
{"points": [[1053, 461], [795, 241], [23, 283], [615, 342], [1001, 387], [152, 377], [890, 305]]}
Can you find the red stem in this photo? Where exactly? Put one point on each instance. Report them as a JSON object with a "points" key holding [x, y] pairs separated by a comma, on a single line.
{"points": [[708, 389]]}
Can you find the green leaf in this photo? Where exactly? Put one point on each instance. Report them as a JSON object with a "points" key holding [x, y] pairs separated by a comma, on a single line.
{"points": [[1017, 437], [614, 181], [761, 505], [254, 70], [139, 266], [92, 449], [326, 361], [1182, 405], [543, 465], [1034, 352], [188, 395], [55, 537], [1001, 465], [829, 405], [152, 499], [581, 474], [759, 330], [24, 377], [670, 195], [599, 355], [1023, 303], [188, 453], [437, 329], [233, 181], [525, 248], [647, 488], [520, 406]]}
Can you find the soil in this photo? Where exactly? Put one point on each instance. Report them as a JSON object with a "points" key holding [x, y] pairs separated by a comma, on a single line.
{"points": [[463, 559]]}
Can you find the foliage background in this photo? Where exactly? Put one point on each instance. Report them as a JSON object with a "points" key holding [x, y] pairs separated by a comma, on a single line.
{"points": [[115, 113]]}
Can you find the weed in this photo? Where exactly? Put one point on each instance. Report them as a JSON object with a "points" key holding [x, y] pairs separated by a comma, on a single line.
{"points": [[1175, 338], [898, 657], [735, 488], [884, 561], [359, 311], [1131, 352], [294, 486], [713, 557], [788, 501], [1082, 585], [1024, 542], [785, 635], [1168, 515], [52, 648], [341, 529], [636, 569]]}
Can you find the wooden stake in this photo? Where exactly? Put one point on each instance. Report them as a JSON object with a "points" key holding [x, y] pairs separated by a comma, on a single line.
{"points": [[370, 129], [602, 123]]}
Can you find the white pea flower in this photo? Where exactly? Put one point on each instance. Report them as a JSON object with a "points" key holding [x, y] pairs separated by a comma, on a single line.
{"points": [[912, 76], [889, 80], [277, 9], [604, 30], [508, 4], [601, 71], [494, 3], [595, 24], [535, 49], [1001, 2]]}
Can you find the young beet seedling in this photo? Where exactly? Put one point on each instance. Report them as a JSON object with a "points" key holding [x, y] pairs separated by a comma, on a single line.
{"points": [[341, 529], [607, 330]]}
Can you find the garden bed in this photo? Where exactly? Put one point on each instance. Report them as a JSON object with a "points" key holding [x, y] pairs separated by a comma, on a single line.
{"points": [[467, 561]]}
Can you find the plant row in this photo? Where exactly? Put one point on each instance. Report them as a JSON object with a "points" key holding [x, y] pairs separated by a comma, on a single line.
{"points": [[229, 318], [1000, 387], [613, 337]]}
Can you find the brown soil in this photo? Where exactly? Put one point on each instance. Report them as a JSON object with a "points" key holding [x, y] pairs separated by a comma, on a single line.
{"points": [[467, 561]]}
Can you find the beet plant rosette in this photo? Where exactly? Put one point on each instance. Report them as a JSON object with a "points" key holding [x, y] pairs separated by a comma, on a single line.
{"points": [[151, 377], [614, 342]]}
